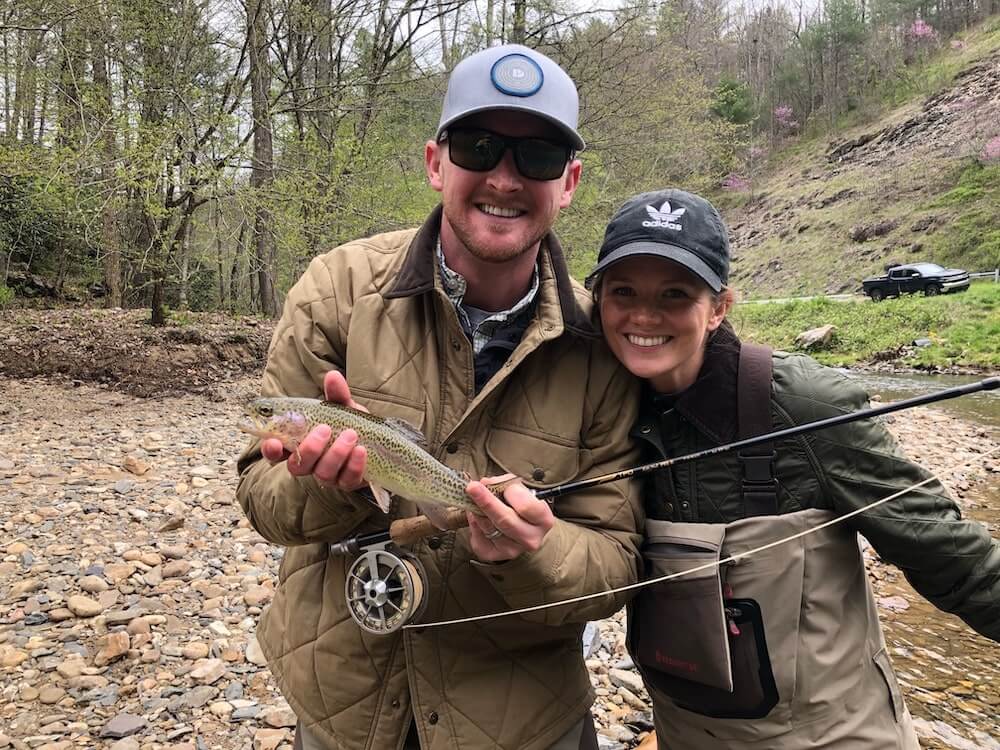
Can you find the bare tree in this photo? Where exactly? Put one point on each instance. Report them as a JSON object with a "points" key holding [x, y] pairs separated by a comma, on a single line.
{"points": [[262, 171]]}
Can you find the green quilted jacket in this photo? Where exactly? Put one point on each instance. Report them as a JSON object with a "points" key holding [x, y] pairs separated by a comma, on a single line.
{"points": [[951, 561]]}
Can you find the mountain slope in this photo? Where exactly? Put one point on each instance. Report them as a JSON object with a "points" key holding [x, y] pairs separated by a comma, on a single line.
{"points": [[910, 186]]}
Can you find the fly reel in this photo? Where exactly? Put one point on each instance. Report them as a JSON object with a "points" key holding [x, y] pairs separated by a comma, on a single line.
{"points": [[384, 590]]}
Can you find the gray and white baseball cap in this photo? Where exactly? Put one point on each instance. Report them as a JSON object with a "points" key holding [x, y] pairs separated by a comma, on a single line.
{"points": [[516, 78]]}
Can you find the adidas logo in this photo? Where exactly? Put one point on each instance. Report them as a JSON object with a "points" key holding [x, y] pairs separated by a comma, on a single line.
{"points": [[664, 217]]}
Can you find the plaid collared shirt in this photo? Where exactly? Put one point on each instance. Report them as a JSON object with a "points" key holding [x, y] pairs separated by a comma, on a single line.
{"points": [[454, 286]]}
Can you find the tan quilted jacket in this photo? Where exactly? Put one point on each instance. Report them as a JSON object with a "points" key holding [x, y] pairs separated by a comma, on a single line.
{"points": [[560, 409]]}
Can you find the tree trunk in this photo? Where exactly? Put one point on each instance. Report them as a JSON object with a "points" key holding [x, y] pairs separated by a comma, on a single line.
{"points": [[26, 88], [518, 31], [7, 91], [324, 81], [239, 254], [157, 309], [489, 22], [219, 266], [262, 166], [70, 76], [43, 110], [110, 241], [156, 85], [443, 31], [184, 271]]}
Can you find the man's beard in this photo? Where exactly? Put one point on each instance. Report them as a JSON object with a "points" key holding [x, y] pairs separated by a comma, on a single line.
{"points": [[491, 253]]}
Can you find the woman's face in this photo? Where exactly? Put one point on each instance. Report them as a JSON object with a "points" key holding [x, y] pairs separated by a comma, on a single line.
{"points": [[656, 317]]}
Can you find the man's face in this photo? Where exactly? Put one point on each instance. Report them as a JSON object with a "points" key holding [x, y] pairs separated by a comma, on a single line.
{"points": [[500, 214]]}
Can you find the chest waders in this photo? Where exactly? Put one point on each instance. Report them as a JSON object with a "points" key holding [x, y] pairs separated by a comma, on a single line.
{"points": [[781, 649]]}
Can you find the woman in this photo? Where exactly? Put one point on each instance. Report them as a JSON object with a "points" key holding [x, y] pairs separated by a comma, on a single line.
{"points": [[781, 649]]}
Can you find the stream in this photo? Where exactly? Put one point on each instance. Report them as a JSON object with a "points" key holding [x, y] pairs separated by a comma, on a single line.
{"points": [[982, 408], [949, 673]]}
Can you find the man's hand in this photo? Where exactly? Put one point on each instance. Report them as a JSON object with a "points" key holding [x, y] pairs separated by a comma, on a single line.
{"points": [[340, 463], [507, 530]]}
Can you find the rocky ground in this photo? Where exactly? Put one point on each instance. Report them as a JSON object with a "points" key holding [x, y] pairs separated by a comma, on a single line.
{"points": [[130, 583]]}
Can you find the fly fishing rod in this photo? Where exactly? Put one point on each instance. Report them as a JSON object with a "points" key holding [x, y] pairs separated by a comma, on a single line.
{"points": [[410, 530], [385, 585]]}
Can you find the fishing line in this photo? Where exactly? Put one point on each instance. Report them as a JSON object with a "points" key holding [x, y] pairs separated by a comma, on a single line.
{"points": [[706, 566]]}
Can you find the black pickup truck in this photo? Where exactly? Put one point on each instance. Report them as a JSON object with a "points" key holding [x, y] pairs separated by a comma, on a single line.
{"points": [[928, 278]]}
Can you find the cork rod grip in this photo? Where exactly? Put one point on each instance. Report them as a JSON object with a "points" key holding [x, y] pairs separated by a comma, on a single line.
{"points": [[411, 530]]}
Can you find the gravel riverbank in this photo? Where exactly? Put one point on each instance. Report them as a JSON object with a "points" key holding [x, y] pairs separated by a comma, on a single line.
{"points": [[131, 584]]}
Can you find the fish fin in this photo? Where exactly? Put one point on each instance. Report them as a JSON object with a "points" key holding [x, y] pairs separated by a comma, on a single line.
{"points": [[351, 409], [436, 514], [382, 496], [409, 431]]}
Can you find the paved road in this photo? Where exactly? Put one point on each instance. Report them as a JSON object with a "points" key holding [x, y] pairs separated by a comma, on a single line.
{"points": [[838, 297]]}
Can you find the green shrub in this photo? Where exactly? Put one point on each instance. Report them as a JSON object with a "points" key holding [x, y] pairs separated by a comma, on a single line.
{"points": [[6, 296]]}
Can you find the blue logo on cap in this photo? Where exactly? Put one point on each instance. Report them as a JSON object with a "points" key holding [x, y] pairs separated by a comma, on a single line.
{"points": [[516, 75]]}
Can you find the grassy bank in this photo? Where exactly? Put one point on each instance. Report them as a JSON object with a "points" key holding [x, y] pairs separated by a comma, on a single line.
{"points": [[964, 328]]}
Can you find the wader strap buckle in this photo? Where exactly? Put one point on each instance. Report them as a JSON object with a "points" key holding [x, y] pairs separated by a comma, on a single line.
{"points": [[760, 488]]}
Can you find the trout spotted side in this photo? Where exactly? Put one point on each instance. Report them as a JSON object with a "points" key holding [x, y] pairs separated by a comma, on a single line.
{"points": [[396, 465]]}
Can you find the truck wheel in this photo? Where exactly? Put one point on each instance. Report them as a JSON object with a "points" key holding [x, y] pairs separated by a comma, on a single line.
{"points": [[932, 290], [877, 295]]}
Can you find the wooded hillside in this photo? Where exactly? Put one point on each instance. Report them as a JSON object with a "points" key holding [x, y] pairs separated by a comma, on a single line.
{"points": [[196, 153]]}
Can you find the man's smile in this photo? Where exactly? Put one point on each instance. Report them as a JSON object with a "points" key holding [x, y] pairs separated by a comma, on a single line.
{"points": [[500, 211]]}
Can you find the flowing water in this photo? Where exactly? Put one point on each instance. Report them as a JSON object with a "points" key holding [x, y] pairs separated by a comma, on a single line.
{"points": [[949, 674], [982, 408]]}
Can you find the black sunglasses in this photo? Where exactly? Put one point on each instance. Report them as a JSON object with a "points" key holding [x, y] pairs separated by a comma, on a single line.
{"points": [[480, 150]]}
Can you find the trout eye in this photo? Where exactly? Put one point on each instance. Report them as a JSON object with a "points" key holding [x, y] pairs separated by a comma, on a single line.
{"points": [[265, 410]]}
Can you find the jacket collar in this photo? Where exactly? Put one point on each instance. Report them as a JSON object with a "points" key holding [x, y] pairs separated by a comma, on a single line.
{"points": [[710, 403], [416, 275]]}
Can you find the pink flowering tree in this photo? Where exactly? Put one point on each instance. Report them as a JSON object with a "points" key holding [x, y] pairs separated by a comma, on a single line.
{"points": [[921, 31], [735, 183], [991, 151], [784, 118], [920, 38]]}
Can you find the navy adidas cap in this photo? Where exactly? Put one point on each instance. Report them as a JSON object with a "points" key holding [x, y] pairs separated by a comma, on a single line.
{"points": [[672, 224], [516, 78]]}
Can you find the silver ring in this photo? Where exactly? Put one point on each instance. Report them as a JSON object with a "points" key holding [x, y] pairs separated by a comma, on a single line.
{"points": [[494, 534]]}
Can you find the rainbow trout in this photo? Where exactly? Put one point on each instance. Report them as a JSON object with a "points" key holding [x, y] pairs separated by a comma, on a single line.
{"points": [[397, 465]]}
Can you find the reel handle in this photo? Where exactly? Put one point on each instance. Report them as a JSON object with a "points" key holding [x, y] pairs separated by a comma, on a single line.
{"points": [[410, 530]]}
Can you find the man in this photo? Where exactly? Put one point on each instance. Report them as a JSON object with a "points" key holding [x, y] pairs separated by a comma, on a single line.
{"points": [[471, 329]]}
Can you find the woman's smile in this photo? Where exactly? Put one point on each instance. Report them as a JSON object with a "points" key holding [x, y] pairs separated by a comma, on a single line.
{"points": [[647, 342]]}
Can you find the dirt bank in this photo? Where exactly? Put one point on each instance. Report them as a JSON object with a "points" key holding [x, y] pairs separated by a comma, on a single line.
{"points": [[118, 349]]}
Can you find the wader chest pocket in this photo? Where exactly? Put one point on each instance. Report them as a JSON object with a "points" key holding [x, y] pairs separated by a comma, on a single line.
{"points": [[705, 652], [678, 627]]}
